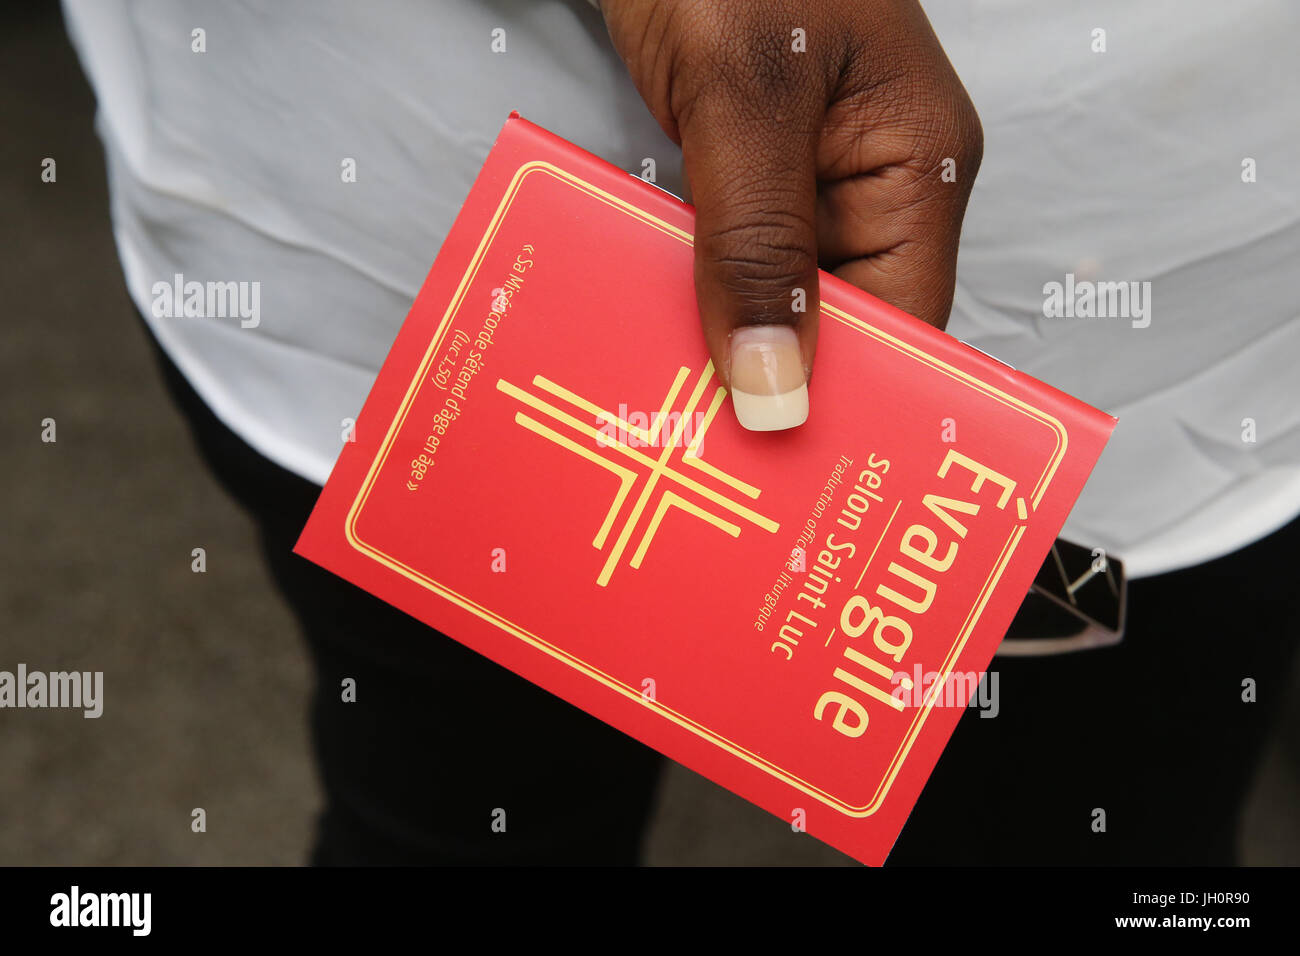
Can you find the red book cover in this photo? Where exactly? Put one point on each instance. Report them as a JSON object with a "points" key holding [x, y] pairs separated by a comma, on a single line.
{"points": [[548, 470]]}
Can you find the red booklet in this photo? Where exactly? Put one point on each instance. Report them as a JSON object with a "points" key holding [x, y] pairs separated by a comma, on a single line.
{"points": [[549, 471]]}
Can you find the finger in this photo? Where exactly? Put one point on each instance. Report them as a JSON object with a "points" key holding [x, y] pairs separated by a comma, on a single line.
{"points": [[754, 185], [896, 237]]}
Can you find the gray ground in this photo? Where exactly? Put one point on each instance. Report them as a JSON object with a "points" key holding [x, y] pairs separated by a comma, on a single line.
{"points": [[95, 568]]}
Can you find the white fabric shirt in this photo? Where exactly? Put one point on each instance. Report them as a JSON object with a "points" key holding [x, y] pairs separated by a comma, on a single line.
{"points": [[1124, 165]]}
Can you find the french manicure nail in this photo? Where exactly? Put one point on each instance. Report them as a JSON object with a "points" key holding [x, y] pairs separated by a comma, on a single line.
{"points": [[768, 388]]}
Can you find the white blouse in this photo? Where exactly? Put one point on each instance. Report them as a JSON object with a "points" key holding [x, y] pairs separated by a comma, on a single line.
{"points": [[1119, 171]]}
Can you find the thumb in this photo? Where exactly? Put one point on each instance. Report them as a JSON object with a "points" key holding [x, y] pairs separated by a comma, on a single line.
{"points": [[754, 187]]}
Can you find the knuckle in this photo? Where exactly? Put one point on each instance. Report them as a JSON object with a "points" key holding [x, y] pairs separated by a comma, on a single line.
{"points": [[963, 133], [758, 261], [949, 129], [974, 141]]}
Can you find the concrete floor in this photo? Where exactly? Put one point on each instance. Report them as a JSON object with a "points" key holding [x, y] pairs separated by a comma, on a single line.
{"points": [[206, 678]]}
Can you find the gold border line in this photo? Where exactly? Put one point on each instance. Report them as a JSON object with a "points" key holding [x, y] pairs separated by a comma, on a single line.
{"points": [[1062, 438], [467, 604]]}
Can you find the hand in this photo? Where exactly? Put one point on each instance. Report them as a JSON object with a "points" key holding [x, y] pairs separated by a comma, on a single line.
{"points": [[833, 154]]}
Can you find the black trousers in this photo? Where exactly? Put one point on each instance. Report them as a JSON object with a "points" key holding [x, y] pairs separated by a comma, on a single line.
{"points": [[440, 744], [441, 748]]}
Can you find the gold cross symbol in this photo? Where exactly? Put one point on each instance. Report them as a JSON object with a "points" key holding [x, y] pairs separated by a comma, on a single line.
{"points": [[652, 469]]}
